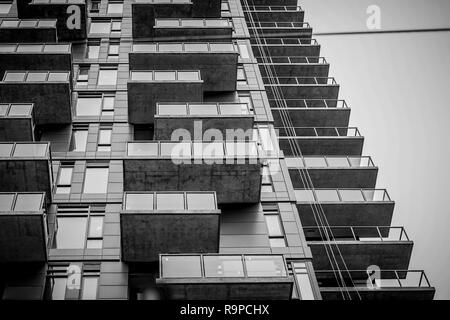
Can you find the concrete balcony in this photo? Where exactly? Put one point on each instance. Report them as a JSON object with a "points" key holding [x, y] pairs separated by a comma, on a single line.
{"points": [[294, 66], [328, 141], [224, 277], [217, 62], [25, 167], [33, 30], [23, 227], [310, 112], [146, 88], [231, 169], [39, 56], [152, 223], [390, 285], [332, 172], [17, 122], [359, 247], [199, 118], [189, 30], [288, 29], [302, 87], [49, 91], [144, 12], [345, 207], [277, 13], [71, 16], [280, 47]]}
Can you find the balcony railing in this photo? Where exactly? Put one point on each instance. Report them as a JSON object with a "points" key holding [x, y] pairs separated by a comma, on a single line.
{"points": [[222, 266], [292, 60], [212, 47], [149, 201], [300, 81], [330, 162], [275, 8], [202, 109], [285, 42], [21, 202], [341, 195], [362, 234], [161, 76], [27, 23], [16, 110], [163, 1], [279, 25], [203, 150], [24, 150], [36, 76], [34, 48], [319, 132], [387, 279], [193, 23], [312, 103], [58, 1]]}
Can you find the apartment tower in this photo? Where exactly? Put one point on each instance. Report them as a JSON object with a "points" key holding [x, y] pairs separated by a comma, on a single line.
{"points": [[184, 149]]}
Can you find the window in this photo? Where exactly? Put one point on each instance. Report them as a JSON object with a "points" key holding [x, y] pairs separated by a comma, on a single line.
{"points": [[79, 139], [116, 26], [225, 7], [95, 104], [96, 180], [64, 181], [243, 51], [266, 185], [302, 284], [104, 140], [79, 227], [83, 75], [95, 6], [115, 8], [93, 49], [112, 27], [72, 281], [107, 76], [274, 226], [241, 78], [113, 50], [246, 98]]}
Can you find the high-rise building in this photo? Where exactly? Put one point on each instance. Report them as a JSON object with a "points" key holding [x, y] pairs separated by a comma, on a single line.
{"points": [[184, 149]]}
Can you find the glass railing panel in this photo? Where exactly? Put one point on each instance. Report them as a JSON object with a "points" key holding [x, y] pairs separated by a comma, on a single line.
{"points": [[170, 47], [325, 195], [18, 110], [172, 109], [376, 195], [28, 202], [139, 201], [52, 48], [201, 201], [181, 266], [196, 47], [318, 162], [233, 109], [223, 266], [23, 150], [294, 162], [326, 132], [305, 195], [6, 149], [170, 201], [4, 110], [164, 75], [144, 47], [175, 149], [338, 162], [265, 266], [203, 109], [141, 75], [6, 201], [143, 149], [351, 195], [218, 46], [29, 48], [213, 149]]}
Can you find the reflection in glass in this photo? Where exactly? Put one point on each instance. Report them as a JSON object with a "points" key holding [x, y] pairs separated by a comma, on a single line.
{"points": [[96, 180], [71, 233]]}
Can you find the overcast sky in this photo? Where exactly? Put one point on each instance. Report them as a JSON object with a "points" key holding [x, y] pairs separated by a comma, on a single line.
{"points": [[398, 87]]}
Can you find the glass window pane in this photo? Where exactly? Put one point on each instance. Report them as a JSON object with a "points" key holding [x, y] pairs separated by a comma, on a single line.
{"points": [[170, 201], [96, 180], [105, 136], [164, 75], [305, 287], [28, 202], [277, 242], [80, 140], [193, 47], [94, 244], [58, 287], [100, 27], [95, 227], [93, 51], [30, 150], [181, 267], [304, 196], [139, 201], [143, 149], [188, 75], [203, 109], [351, 195], [223, 266], [171, 109], [107, 77], [265, 266], [274, 225], [65, 175], [14, 76], [20, 110], [108, 103], [88, 106], [89, 288], [115, 8], [201, 201], [243, 51], [327, 195], [6, 200], [71, 233], [5, 149]]}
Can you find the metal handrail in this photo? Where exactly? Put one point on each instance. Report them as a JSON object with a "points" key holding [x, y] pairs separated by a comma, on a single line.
{"points": [[252, 8], [303, 161], [294, 59], [303, 80], [364, 195], [317, 131], [375, 233], [312, 103]]}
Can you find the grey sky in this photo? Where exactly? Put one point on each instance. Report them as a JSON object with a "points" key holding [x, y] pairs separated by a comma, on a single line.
{"points": [[399, 90]]}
